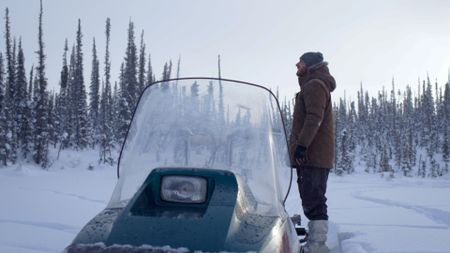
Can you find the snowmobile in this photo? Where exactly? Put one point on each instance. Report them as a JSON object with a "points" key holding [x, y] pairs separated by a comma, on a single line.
{"points": [[204, 167]]}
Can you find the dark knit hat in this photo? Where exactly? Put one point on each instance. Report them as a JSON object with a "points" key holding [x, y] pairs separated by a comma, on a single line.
{"points": [[312, 58]]}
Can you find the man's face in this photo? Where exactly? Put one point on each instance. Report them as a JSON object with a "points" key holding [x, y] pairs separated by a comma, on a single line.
{"points": [[301, 68]]}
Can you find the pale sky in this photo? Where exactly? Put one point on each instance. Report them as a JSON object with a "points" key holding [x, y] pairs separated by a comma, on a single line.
{"points": [[259, 40]]}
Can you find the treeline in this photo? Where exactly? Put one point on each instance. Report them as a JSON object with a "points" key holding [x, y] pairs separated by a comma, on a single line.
{"points": [[33, 119], [396, 132]]}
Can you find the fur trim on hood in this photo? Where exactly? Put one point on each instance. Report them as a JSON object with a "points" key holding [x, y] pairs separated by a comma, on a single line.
{"points": [[319, 71]]}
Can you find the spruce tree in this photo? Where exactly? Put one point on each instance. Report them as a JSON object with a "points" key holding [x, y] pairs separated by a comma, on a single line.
{"points": [[94, 98], [9, 100], [346, 163], [71, 98], [23, 113], [63, 112], [106, 140], [130, 84], [107, 61], [362, 118], [352, 128], [431, 125], [106, 108], [40, 154], [9, 58], [141, 79], [150, 76], [123, 118], [79, 96]]}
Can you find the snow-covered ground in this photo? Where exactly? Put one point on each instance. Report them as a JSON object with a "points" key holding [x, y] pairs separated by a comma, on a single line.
{"points": [[42, 211], [400, 215]]}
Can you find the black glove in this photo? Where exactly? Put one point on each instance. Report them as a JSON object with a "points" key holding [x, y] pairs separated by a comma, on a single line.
{"points": [[300, 154]]}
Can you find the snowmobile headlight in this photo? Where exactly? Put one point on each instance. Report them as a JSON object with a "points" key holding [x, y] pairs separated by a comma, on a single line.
{"points": [[184, 189]]}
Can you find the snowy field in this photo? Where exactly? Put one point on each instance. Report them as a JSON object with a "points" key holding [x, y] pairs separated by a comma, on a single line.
{"points": [[42, 211]]}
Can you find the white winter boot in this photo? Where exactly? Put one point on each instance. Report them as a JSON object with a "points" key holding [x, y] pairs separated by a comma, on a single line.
{"points": [[317, 236]]}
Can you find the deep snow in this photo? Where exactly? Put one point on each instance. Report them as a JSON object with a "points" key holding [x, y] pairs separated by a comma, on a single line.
{"points": [[42, 211]]}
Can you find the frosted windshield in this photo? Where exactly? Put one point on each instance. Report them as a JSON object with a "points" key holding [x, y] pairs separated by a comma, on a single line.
{"points": [[211, 124]]}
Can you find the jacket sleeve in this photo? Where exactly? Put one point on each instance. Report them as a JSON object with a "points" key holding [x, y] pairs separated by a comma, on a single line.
{"points": [[295, 128], [315, 98]]}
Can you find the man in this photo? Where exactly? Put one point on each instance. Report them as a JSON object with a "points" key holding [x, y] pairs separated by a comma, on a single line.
{"points": [[312, 144]]}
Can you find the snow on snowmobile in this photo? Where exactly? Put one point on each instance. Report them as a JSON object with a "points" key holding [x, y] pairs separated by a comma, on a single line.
{"points": [[204, 167]]}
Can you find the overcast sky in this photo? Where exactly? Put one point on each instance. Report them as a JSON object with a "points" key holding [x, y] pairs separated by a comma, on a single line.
{"points": [[259, 40]]}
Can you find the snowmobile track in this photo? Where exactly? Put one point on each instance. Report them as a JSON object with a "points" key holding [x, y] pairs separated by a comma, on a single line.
{"points": [[438, 216]]}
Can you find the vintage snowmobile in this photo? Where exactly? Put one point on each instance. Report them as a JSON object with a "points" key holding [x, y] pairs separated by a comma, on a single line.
{"points": [[204, 167]]}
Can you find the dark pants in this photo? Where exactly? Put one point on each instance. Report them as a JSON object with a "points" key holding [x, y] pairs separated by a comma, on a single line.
{"points": [[312, 184]]}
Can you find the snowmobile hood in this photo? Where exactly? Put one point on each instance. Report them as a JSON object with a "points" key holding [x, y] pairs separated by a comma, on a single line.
{"points": [[224, 221]]}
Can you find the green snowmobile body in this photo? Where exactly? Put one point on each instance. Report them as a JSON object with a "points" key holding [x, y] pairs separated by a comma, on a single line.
{"points": [[149, 220]]}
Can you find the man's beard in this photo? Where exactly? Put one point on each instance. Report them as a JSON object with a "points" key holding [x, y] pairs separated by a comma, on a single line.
{"points": [[301, 73]]}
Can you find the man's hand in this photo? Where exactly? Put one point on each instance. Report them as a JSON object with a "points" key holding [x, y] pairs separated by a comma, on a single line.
{"points": [[300, 155]]}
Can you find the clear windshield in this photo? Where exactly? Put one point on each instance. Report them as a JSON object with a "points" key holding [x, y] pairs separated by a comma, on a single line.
{"points": [[207, 123]]}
